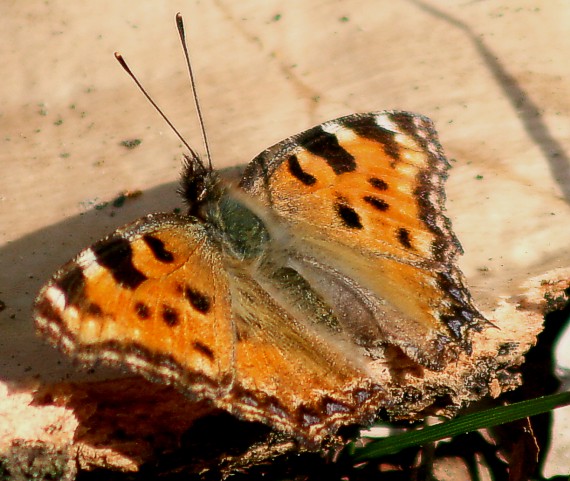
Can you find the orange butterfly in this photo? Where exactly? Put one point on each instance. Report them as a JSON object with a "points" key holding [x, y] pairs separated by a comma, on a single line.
{"points": [[277, 298]]}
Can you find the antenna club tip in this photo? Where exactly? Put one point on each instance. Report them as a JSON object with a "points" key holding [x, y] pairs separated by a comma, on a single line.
{"points": [[180, 23], [122, 62]]}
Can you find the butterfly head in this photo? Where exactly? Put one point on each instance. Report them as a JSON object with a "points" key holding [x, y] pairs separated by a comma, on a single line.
{"points": [[200, 185]]}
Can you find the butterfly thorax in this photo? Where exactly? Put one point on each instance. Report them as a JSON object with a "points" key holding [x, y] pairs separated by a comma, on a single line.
{"points": [[240, 232]]}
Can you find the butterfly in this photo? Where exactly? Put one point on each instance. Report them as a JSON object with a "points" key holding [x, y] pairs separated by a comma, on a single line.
{"points": [[278, 298], [285, 297]]}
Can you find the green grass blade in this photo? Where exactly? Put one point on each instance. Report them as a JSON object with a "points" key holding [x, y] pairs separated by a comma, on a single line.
{"points": [[463, 424]]}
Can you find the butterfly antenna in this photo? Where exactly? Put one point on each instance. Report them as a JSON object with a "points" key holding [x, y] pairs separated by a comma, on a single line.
{"points": [[182, 33], [121, 60]]}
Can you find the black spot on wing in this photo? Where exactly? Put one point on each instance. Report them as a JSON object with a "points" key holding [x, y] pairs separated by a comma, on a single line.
{"points": [[326, 145], [72, 284], [378, 184], [198, 300], [116, 255], [297, 171], [93, 309], [378, 204], [170, 315], [157, 247], [368, 128], [403, 236], [205, 350], [142, 310], [348, 215]]}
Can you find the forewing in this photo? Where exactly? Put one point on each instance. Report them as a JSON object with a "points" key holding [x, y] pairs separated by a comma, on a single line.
{"points": [[363, 196], [153, 297]]}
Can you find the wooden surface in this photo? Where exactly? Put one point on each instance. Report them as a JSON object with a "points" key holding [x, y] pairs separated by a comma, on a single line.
{"points": [[494, 76]]}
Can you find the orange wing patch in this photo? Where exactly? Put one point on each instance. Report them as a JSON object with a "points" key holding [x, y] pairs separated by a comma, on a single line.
{"points": [[153, 294]]}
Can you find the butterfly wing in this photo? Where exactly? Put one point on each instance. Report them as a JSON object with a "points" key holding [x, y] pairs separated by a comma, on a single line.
{"points": [[290, 376], [361, 199], [153, 296], [161, 298]]}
